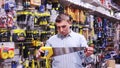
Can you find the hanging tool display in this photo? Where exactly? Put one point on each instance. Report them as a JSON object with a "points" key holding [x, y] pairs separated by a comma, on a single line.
{"points": [[26, 4], [4, 54], [25, 19], [7, 50], [5, 35], [18, 35], [69, 10], [102, 30], [45, 35], [33, 63], [3, 22], [82, 17], [98, 24], [105, 36], [77, 14], [99, 27], [99, 50], [57, 6], [28, 52], [6, 21], [76, 27], [28, 55], [10, 13], [28, 47], [42, 19], [32, 35], [79, 18], [13, 64], [91, 23], [54, 7], [10, 22]]}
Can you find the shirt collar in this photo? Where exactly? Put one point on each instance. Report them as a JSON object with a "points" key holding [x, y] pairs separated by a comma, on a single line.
{"points": [[70, 34]]}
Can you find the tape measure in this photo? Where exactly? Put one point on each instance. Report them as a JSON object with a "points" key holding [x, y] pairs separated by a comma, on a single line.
{"points": [[4, 55], [11, 54]]}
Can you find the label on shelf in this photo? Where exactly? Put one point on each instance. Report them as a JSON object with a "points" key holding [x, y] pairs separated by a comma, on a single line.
{"points": [[35, 2], [7, 44]]}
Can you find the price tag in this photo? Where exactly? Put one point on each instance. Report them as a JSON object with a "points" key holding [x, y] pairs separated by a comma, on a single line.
{"points": [[35, 2]]}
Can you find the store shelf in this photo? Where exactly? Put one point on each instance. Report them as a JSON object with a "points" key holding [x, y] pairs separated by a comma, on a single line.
{"points": [[90, 8], [96, 3], [111, 18], [74, 4], [93, 2], [114, 7]]}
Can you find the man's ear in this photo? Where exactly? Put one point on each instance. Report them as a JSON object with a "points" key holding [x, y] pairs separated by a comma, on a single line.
{"points": [[70, 24], [70, 20]]}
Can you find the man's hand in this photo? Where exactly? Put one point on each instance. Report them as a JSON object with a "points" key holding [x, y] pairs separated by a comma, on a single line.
{"points": [[89, 51], [39, 53]]}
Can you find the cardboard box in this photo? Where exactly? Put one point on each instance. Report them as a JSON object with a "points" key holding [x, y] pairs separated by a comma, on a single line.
{"points": [[110, 63]]}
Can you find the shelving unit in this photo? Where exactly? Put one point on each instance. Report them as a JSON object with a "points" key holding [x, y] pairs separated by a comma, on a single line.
{"points": [[91, 9]]}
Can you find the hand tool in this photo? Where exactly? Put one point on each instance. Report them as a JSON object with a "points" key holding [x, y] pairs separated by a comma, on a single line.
{"points": [[56, 51], [25, 19], [3, 21], [6, 52], [3, 52], [82, 17], [26, 63], [4, 35], [18, 35], [13, 64], [11, 53], [33, 64]]}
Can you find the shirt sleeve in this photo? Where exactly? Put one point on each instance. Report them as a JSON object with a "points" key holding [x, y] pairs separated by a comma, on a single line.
{"points": [[83, 41], [48, 43]]}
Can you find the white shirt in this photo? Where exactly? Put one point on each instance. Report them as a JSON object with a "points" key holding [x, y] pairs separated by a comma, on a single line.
{"points": [[71, 60]]}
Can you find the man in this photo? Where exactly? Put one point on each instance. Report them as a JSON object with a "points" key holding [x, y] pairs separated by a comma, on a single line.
{"points": [[65, 37]]}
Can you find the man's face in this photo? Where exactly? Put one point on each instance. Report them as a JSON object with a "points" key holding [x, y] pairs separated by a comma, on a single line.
{"points": [[63, 27]]}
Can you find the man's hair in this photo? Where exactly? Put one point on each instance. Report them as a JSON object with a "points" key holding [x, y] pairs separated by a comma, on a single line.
{"points": [[63, 16]]}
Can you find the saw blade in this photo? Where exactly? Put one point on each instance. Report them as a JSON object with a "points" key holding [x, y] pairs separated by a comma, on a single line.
{"points": [[57, 51], [65, 50]]}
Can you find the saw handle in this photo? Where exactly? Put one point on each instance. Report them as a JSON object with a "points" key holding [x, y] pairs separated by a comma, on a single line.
{"points": [[50, 52], [42, 54]]}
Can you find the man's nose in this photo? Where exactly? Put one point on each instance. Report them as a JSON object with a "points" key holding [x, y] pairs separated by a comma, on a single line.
{"points": [[61, 29]]}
